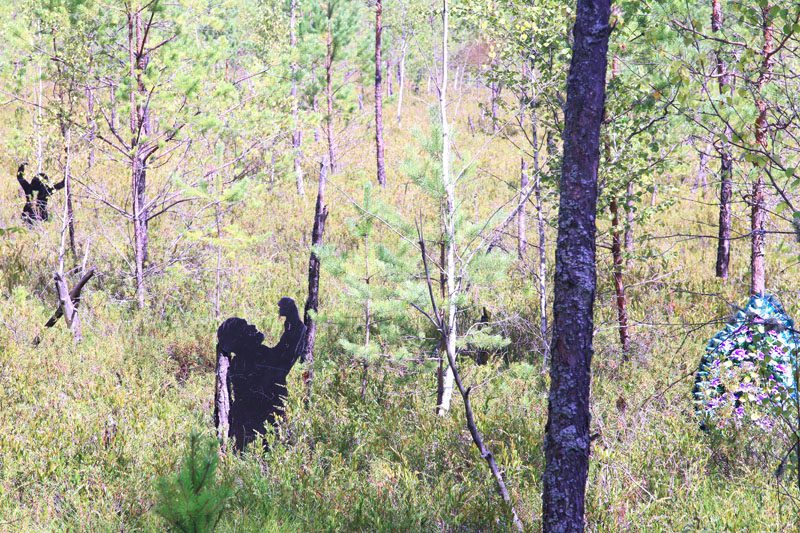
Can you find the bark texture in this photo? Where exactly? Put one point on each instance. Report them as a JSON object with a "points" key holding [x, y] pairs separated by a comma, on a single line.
{"points": [[567, 433], [222, 399], [312, 301], [448, 250]]}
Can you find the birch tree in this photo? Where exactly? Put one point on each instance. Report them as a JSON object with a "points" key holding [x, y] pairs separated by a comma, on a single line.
{"points": [[449, 185]]}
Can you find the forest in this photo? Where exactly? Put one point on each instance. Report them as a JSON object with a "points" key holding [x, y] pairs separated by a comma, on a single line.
{"points": [[399, 265]]}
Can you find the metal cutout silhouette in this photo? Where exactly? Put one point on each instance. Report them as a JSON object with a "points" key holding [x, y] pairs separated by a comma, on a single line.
{"points": [[256, 380], [37, 194]]}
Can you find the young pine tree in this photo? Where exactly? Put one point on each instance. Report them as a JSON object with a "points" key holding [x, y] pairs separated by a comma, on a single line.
{"points": [[191, 500]]}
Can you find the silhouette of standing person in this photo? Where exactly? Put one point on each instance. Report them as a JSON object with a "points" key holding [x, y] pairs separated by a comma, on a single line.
{"points": [[257, 375], [37, 194]]}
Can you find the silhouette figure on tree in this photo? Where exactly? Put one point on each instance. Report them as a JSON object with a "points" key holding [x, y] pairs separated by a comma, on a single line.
{"points": [[37, 194], [257, 374]]}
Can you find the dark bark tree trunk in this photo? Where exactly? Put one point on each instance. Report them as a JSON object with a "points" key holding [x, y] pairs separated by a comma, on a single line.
{"points": [[379, 96], [312, 301], [725, 158], [296, 134], [619, 287], [567, 433]]}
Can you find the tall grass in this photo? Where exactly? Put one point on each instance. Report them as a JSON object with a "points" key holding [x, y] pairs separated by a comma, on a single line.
{"points": [[86, 430]]}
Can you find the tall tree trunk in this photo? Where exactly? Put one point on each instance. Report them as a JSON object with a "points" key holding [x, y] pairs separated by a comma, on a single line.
{"points": [[701, 178], [70, 210], [449, 228], [140, 126], [495, 103], [389, 81], [758, 267], [759, 215], [619, 287], [616, 243], [567, 439], [315, 108], [726, 160], [65, 97], [630, 213], [218, 230], [37, 119], [402, 74], [329, 91], [92, 133], [522, 214], [379, 96], [540, 221], [68, 228], [312, 301], [112, 97], [540, 225], [296, 134]]}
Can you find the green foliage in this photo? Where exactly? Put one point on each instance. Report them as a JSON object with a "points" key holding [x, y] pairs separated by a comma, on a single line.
{"points": [[87, 430], [191, 501]]}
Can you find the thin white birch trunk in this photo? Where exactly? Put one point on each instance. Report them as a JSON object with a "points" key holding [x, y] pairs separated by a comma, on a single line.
{"points": [[449, 223]]}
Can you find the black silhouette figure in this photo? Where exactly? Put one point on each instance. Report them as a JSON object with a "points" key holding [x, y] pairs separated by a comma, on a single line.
{"points": [[37, 194], [257, 374]]}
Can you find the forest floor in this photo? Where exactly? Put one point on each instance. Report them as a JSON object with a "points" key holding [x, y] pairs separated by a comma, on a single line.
{"points": [[86, 430]]}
